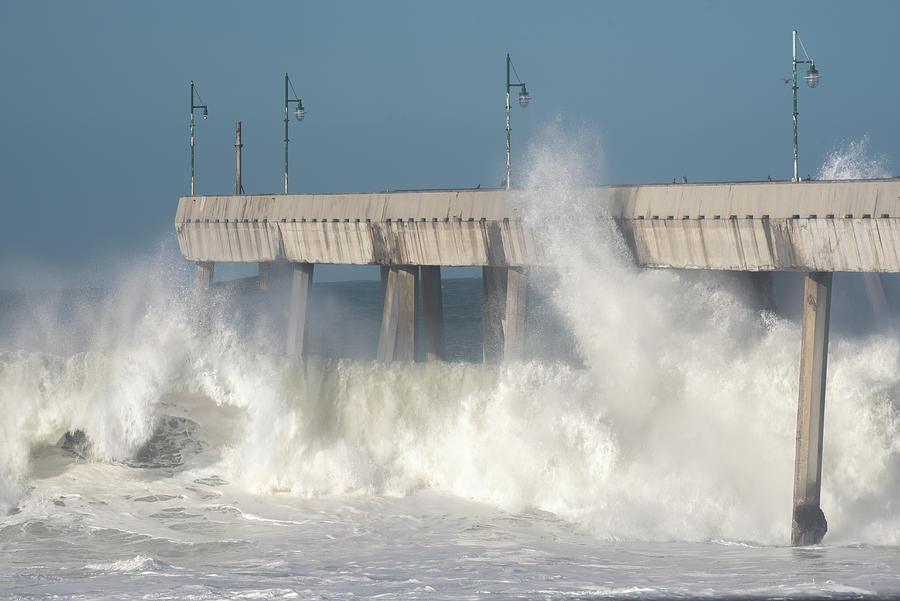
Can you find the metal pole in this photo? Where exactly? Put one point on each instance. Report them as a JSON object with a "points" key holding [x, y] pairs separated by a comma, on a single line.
{"points": [[192, 137], [285, 131], [238, 188], [795, 105], [507, 122]]}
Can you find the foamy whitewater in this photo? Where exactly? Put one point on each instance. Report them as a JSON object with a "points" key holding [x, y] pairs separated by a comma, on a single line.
{"points": [[154, 445]]}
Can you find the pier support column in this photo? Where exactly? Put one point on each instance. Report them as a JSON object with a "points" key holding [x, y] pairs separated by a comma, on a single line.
{"points": [[203, 275], [301, 280], [397, 337], [503, 308], [433, 313], [809, 525], [262, 277]]}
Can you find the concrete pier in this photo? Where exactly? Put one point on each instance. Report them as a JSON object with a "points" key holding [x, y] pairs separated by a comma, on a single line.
{"points": [[503, 308], [808, 524], [301, 280], [397, 338], [433, 313]]}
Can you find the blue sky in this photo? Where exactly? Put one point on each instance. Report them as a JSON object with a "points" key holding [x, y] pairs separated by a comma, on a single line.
{"points": [[402, 95]]}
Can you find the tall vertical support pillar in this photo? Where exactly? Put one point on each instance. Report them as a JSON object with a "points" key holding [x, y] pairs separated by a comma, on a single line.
{"points": [[433, 313], [397, 337], [514, 321], [503, 309], [493, 310], [301, 280], [262, 276], [203, 275], [808, 526]]}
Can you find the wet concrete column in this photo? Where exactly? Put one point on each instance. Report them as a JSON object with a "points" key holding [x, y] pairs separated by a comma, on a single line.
{"points": [[203, 275], [514, 320], [433, 313], [503, 308], [809, 525], [262, 276], [397, 337], [301, 280], [493, 310]]}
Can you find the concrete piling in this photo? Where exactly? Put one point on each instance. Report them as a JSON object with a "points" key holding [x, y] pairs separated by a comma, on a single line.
{"points": [[808, 523], [433, 313], [493, 308], [301, 280], [397, 337], [262, 275], [503, 308], [514, 320]]}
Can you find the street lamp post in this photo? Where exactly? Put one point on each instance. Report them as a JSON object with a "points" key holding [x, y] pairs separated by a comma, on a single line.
{"points": [[524, 99], [205, 113], [299, 113], [812, 80]]}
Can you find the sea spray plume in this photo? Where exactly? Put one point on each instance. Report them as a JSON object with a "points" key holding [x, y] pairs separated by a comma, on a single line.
{"points": [[673, 362], [139, 347], [699, 390], [861, 479], [584, 444], [853, 161]]}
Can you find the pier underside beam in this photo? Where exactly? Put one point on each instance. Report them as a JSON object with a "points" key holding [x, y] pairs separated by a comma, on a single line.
{"points": [[809, 525], [433, 313], [503, 313], [301, 280], [203, 275], [397, 338]]}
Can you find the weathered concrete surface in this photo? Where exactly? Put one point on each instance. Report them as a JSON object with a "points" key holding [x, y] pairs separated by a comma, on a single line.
{"points": [[433, 313], [809, 525], [503, 311], [818, 244], [404, 228], [301, 280], [754, 226], [397, 337]]}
